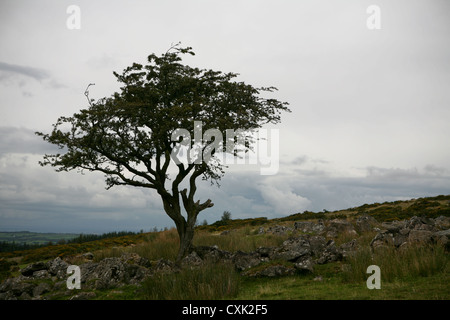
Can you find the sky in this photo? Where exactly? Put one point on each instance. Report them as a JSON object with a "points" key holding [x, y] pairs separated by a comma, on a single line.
{"points": [[368, 90]]}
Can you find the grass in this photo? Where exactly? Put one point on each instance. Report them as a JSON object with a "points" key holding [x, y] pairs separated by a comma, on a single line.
{"points": [[305, 288], [208, 282], [413, 272], [410, 262]]}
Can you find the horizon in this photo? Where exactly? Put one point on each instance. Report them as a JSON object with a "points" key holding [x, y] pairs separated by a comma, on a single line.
{"points": [[155, 229]]}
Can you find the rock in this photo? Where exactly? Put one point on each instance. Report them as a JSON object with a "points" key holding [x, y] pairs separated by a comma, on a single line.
{"points": [[134, 258], [338, 226], [41, 288], [246, 260], [421, 236], [212, 254], [165, 266], [83, 296], [442, 222], [420, 223], [111, 272], [305, 265], [394, 226], [17, 286], [88, 256], [383, 238], [318, 278], [265, 252], [442, 238], [41, 274], [365, 223], [192, 260], [330, 254], [349, 248], [58, 267], [279, 230], [309, 226], [317, 244], [292, 249], [31, 268]]}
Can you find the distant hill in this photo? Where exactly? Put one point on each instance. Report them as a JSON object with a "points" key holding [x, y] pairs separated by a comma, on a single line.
{"points": [[35, 238]]}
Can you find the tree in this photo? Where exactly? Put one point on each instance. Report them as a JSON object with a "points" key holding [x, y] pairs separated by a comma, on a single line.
{"points": [[226, 216], [132, 136]]}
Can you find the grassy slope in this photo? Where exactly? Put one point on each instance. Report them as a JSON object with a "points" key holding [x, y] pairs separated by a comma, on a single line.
{"points": [[335, 284]]}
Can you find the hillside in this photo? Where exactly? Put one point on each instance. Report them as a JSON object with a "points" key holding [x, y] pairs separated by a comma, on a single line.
{"points": [[327, 251]]}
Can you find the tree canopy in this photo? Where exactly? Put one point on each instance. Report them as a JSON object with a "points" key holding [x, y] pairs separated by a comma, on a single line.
{"points": [[129, 137]]}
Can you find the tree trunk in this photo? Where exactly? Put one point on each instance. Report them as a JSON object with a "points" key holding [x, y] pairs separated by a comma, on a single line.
{"points": [[186, 235], [185, 228]]}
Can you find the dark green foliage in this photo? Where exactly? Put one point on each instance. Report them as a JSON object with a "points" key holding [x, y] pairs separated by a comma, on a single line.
{"points": [[129, 136], [5, 269]]}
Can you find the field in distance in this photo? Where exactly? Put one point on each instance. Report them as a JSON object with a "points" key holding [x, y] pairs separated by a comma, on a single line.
{"points": [[35, 237]]}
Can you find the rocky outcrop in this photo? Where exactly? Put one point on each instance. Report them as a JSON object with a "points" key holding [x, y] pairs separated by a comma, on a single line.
{"points": [[417, 230], [39, 278]]}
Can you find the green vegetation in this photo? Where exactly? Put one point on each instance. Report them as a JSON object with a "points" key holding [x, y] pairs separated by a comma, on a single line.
{"points": [[410, 272], [208, 282], [22, 240]]}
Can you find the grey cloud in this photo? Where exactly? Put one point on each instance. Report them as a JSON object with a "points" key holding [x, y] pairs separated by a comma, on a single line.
{"points": [[22, 140], [40, 75], [35, 73]]}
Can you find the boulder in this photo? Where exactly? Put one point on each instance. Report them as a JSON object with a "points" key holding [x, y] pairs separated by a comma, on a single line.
{"points": [[279, 230], [383, 238], [246, 260], [292, 249], [58, 267], [420, 235], [338, 226], [317, 244], [442, 238], [330, 254], [442, 222], [304, 265], [365, 223], [349, 248], [32, 268], [212, 254], [309, 226], [112, 272], [192, 260], [41, 288]]}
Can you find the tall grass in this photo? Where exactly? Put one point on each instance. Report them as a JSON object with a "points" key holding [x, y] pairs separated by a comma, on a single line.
{"points": [[398, 264], [243, 239], [161, 245], [165, 244], [207, 282]]}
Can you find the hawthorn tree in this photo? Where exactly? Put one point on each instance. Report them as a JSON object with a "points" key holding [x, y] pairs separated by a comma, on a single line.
{"points": [[130, 136]]}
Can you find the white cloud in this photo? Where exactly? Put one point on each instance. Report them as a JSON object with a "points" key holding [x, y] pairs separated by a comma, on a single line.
{"points": [[283, 200]]}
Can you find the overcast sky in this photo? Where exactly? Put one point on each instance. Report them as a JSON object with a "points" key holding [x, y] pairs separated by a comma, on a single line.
{"points": [[370, 107]]}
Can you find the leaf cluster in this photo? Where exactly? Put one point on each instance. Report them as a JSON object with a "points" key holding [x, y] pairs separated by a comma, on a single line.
{"points": [[128, 136]]}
